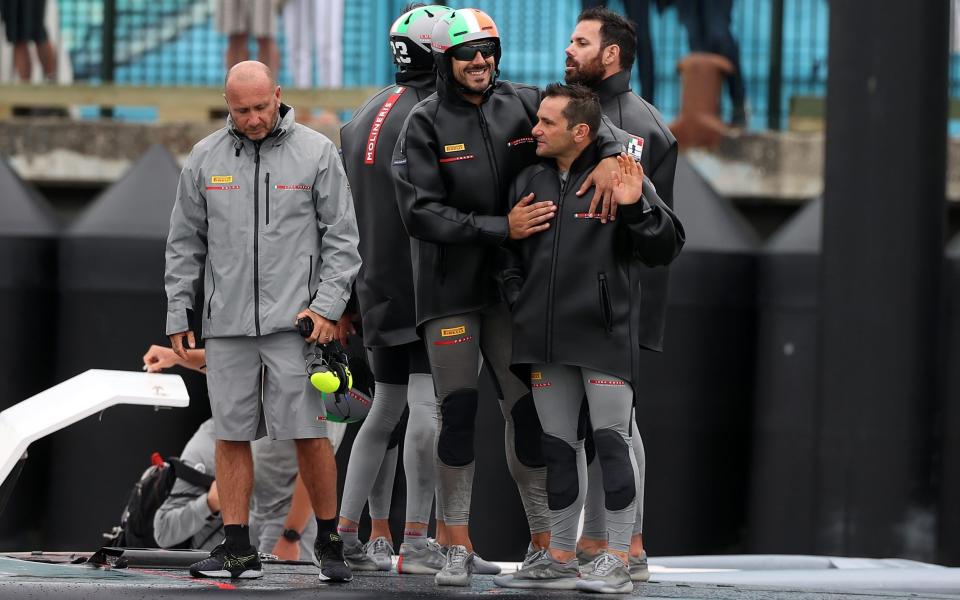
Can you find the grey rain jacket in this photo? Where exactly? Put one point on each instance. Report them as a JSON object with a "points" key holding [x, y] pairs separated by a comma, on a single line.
{"points": [[267, 227]]}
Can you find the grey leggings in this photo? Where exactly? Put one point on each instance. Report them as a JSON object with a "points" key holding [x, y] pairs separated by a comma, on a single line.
{"points": [[399, 383], [558, 391], [454, 345]]}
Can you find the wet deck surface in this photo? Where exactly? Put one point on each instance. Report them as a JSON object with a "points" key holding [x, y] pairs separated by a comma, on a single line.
{"points": [[20, 579]]}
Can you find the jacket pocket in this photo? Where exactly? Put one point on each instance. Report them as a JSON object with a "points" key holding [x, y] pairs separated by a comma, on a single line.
{"points": [[606, 308], [213, 289], [309, 279]]}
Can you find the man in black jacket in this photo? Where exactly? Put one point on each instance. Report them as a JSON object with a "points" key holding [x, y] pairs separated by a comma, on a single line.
{"points": [[384, 289], [600, 56], [575, 311], [458, 153]]}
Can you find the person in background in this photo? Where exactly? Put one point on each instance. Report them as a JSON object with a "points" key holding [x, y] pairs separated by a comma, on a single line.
{"points": [[23, 23], [240, 19], [638, 11], [708, 30], [314, 41]]}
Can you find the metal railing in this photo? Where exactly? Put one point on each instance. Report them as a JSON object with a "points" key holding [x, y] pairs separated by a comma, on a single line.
{"points": [[783, 45]]}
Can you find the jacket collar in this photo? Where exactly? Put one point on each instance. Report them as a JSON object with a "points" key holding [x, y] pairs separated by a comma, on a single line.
{"points": [[586, 161], [613, 86], [417, 79]]}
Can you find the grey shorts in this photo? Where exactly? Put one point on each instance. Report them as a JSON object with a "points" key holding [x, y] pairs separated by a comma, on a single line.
{"points": [[255, 17], [242, 370]]}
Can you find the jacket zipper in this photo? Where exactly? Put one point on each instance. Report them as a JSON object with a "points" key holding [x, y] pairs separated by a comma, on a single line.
{"points": [[213, 278], [267, 199], [553, 271], [256, 237], [606, 307]]}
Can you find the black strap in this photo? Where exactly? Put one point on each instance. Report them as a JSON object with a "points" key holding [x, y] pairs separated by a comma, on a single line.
{"points": [[187, 473]]}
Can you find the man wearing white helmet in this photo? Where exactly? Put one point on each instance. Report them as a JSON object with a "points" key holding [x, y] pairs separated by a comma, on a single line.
{"points": [[455, 158], [384, 289]]}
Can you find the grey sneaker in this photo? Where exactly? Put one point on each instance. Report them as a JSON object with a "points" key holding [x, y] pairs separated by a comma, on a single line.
{"points": [[542, 572], [484, 567], [457, 569], [425, 559], [358, 559], [609, 575], [639, 569], [586, 559], [380, 551], [531, 555]]}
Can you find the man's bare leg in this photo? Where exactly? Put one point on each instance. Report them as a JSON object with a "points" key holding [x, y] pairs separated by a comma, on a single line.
{"points": [[48, 60], [268, 53], [234, 464], [237, 49], [21, 60], [319, 471]]}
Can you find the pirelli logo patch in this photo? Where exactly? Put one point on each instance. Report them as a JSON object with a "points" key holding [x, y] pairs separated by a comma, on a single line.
{"points": [[221, 179], [452, 331], [536, 376], [454, 148]]}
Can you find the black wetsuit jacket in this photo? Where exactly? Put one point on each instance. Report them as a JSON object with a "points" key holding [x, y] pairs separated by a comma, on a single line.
{"points": [[453, 165], [384, 286], [635, 115], [573, 299]]}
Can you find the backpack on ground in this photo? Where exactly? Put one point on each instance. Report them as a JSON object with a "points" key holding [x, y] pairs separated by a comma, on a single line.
{"points": [[136, 522]]}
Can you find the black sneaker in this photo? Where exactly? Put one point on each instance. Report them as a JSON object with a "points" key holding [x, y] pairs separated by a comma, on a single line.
{"points": [[328, 555], [234, 565]]}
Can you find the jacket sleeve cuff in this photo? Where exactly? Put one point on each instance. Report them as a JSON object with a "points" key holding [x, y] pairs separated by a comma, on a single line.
{"points": [[497, 229], [635, 213], [178, 319], [327, 308]]}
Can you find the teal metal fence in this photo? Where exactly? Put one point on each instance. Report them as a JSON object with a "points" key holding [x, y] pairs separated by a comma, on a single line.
{"points": [[174, 42]]}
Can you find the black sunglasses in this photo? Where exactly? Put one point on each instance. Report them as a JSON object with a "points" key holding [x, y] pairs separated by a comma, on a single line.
{"points": [[468, 51]]}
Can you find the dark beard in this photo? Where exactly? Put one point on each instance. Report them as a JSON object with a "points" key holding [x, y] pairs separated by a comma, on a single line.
{"points": [[589, 74]]}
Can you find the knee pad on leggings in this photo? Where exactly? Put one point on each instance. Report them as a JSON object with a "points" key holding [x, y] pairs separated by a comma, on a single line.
{"points": [[563, 485], [397, 434], [527, 433], [613, 452], [455, 443]]}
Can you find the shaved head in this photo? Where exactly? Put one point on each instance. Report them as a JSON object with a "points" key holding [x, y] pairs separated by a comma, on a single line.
{"points": [[253, 98], [249, 70]]}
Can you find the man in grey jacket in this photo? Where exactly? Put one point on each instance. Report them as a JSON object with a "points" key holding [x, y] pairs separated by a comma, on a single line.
{"points": [[264, 220]]}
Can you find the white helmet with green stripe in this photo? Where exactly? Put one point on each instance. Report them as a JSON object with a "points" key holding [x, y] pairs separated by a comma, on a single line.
{"points": [[461, 26], [411, 35]]}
